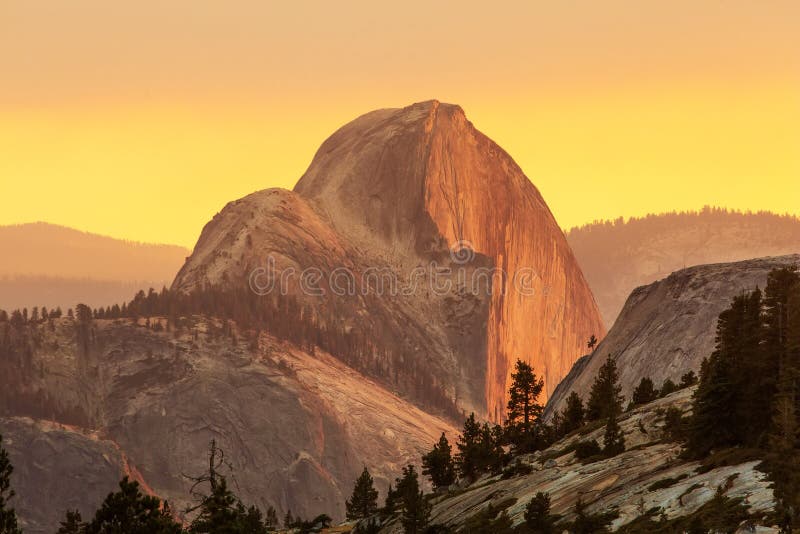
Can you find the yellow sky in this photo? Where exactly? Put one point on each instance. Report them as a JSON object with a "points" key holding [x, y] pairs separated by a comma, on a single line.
{"points": [[142, 119]]}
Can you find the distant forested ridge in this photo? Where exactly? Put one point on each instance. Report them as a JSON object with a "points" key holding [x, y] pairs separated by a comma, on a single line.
{"points": [[618, 256], [48, 265]]}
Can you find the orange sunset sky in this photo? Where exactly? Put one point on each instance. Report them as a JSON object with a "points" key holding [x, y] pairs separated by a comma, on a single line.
{"points": [[141, 119]]}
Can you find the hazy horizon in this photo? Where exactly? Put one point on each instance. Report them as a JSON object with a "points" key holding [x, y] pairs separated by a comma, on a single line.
{"points": [[142, 120]]}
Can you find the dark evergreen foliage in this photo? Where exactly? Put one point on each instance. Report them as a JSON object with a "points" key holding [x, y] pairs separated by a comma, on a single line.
{"points": [[523, 429], [72, 524], [645, 392], [364, 501], [605, 394], [572, 416], [479, 449], [538, 518], [8, 516], [129, 511], [416, 510], [439, 465]]}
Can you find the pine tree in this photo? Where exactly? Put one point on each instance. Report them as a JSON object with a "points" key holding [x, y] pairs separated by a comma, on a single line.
{"points": [[218, 511], [416, 508], [719, 406], [128, 510], [364, 501], [573, 414], [250, 520], [392, 501], [8, 517], [524, 411], [538, 518], [605, 394], [469, 445], [645, 392], [288, 520], [783, 456], [613, 439], [438, 464], [271, 521], [72, 524]]}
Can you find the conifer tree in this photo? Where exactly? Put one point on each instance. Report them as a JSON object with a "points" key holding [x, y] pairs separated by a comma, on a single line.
{"points": [[128, 510], [524, 411], [573, 414], [271, 520], [218, 511], [8, 517], [469, 445], [613, 439], [719, 408], [605, 394], [416, 508], [783, 457], [364, 501], [438, 464], [645, 392], [538, 518], [72, 524], [288, 519]]}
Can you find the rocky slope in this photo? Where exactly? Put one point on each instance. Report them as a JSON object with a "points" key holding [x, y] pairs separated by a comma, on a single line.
{"points": [[668, 327], [83, 406], [618, 256], [420, 196], [627, 483]]}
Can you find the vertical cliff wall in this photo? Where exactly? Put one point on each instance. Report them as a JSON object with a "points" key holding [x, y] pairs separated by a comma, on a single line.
{"points": [[407, 184]]}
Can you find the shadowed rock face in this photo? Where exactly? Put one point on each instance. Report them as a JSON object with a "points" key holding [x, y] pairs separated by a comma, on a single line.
{"points": [[57, 468], [297, 428], [395, 189], [668, 327]]}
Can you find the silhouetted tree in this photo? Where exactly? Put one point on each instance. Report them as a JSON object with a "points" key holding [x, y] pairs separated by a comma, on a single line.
{"points": [[605, 397], [524, 411], [592, 343], [688, 379], [364, 501], [538, 518], [613, 438], [573, 414], [72, 524], [438, 464], [128, 510], [416, 510], [8, 517], [645, 392]]}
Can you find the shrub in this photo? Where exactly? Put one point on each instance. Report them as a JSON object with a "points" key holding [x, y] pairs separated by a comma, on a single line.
{"points": [[587, 449]]}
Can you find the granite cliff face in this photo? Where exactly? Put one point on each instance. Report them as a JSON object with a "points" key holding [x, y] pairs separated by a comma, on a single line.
{"points": [[668, 327], [298, 428], [420, 196]]}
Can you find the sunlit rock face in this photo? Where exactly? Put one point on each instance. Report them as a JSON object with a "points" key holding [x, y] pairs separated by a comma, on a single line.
{"points": [[403, 183], [420, 194], [666, 328]]}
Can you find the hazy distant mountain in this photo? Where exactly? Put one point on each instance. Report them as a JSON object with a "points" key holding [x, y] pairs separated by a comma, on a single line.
{"points": [[49, 265], [618, 256]]}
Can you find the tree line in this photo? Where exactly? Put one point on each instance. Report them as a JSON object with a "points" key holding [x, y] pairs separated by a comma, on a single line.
{"points": [[282, 316]]}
